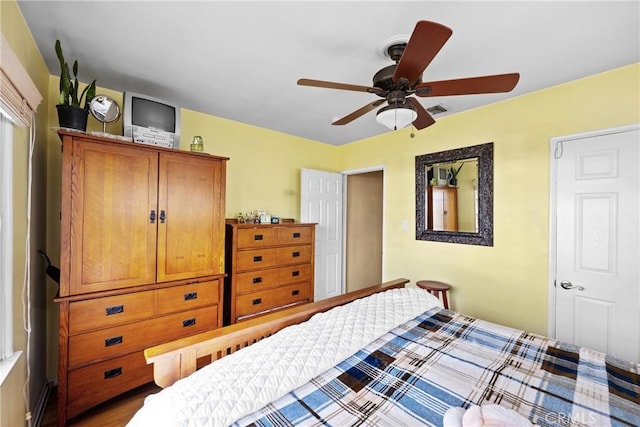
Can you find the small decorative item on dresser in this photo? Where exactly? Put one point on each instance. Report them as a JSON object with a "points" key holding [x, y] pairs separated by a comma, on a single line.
{"points": [[275, 220], [265, 219], [197, 144]]}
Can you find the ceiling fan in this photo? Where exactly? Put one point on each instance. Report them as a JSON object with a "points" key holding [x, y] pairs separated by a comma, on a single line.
{"points": [[395, 84]]}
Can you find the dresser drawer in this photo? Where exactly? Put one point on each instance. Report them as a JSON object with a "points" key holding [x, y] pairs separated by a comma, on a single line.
{"points": [[109, 311], [256, 258], [96, 383], [294, 273], [187, 297], [257, 237], [294, 235], [256, 280], [273, 298], [293, 254], [119, 340]]}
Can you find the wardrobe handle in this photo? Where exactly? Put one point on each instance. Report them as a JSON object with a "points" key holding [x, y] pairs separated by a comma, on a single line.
{"points": [[162, 217], [152, 217], [190, 296], [257, 280], [117, 309], [257, 237], [113, 341], [257, 258], [257, 301], [295, 254], [295, 292], [296, 235], [111, 373], [295, 273], [188, 322]]}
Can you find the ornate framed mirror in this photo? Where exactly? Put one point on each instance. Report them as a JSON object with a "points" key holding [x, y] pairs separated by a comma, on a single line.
{"points": [[454, 196]]}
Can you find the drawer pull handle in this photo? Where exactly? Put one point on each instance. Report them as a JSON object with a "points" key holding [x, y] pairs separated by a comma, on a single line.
{"points": [[113, 341], [190, 296], [257, 301], [188, 322], [296, 235], [295, 292], [257, 258], [295, 254], [257, 237], [116, 309], [112, 373], [295, 273], [257, 280]]}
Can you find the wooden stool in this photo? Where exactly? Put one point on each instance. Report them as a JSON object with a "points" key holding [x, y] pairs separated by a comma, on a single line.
{"points": [[436, 289]]}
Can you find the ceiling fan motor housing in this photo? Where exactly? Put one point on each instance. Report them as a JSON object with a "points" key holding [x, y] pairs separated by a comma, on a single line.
{"points": [[383, 79]]}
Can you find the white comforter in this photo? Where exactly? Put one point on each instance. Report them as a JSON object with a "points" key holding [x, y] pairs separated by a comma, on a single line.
{"points": [[245, 381]]}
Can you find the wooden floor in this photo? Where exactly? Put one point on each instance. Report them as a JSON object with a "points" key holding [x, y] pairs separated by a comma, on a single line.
{"points": [[114, 413]]}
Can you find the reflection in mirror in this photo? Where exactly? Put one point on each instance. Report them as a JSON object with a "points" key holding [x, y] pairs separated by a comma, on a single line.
{"points": [[105, 109], [454, 196]]}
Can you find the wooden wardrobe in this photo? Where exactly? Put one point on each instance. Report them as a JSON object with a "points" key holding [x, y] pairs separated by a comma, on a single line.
{"points": [[442, 208], [142, 261]]}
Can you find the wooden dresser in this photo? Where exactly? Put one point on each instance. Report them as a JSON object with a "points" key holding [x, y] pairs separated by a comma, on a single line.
{"points": [[269, 267], [142, 261]]}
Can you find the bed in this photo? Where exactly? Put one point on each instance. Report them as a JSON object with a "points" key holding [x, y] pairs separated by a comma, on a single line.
{"points": [[388, 355]]}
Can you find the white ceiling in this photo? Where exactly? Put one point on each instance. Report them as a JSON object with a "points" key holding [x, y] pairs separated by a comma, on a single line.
{"points": [[240, 60]]}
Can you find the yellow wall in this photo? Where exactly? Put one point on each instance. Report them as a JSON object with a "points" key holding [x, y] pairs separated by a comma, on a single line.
{"points": [[12, 405], [264, 167], [507, 282]]}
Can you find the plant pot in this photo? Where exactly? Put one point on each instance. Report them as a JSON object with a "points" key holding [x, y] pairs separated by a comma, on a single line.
{"points": [[453, 182], [72, 117]]}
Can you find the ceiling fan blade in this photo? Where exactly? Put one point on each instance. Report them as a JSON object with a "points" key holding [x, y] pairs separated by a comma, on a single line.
{"points": [[359, 112], [424, 119], [426, 41], [334, 85], [469, 86]]}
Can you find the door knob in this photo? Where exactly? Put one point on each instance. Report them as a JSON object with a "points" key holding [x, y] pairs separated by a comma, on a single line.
{"points": [[568, 285]]}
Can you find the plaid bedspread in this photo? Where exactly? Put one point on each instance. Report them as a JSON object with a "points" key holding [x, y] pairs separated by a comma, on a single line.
{"points": [[440, 359]]}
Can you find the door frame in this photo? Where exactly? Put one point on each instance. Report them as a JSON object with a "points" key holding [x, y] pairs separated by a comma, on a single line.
{"points": [[553, 176], [344, 215]]}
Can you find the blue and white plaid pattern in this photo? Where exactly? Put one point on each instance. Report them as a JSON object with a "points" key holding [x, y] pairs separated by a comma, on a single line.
{"points": [[443, 359]]}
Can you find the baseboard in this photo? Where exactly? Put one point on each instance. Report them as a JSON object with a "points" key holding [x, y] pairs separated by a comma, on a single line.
{"points": [[41, 406]]}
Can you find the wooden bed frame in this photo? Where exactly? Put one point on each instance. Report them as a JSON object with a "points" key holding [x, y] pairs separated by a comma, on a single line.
{"points": [[178, 359]]}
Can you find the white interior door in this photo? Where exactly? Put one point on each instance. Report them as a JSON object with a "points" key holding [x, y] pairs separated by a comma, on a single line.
{"points": [[321, 203], [597, 283]]}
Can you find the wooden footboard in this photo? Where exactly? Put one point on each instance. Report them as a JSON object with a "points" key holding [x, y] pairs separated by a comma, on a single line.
{"points": [[178, 359]]}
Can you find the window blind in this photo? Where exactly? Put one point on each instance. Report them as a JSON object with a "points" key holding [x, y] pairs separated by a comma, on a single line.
{"points": [[19, 96]]}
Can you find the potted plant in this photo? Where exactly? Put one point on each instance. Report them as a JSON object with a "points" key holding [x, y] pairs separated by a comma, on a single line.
{"points": [[70, 112], [453, 181]]}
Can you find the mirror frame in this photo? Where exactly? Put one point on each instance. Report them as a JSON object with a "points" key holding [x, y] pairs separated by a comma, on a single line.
{"points": [[484, 235]]}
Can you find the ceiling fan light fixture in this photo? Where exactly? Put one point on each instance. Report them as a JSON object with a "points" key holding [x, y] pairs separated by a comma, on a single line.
{"points": [[396, 116]]}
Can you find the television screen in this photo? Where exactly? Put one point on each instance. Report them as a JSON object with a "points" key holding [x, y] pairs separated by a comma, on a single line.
{"points": [[151, 114]]}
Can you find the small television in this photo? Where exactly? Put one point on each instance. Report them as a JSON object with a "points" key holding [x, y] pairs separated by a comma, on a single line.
{"points": [[151, 121]]}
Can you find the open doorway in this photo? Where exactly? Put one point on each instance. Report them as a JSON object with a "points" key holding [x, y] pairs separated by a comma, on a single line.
{"points": [[364, 191]]}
